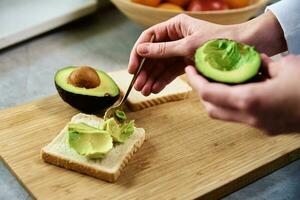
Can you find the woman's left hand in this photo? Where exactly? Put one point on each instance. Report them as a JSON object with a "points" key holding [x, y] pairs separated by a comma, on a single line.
{"points": [[272, 105]]}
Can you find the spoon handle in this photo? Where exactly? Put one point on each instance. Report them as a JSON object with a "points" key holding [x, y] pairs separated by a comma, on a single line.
{"points": [[135, 75]]}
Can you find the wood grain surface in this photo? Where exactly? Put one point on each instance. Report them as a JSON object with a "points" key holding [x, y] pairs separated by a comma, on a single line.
{"points": [[186, 154]]}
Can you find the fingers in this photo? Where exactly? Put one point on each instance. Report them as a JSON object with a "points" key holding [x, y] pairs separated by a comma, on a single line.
{"points": [[161, 34], [197, 81], [229, 103], [270, 67], [144, 74], [265, 60], [274, 69], [215, 93], [164, 49], [169, 74], [170, 30], [240, 97], [227, 114], [141, 80], [134, 58], [160, 75], [158, 86], [155, 73]]}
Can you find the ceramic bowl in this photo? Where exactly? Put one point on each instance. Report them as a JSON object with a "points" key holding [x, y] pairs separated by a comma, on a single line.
{"points": [[148, 16]]}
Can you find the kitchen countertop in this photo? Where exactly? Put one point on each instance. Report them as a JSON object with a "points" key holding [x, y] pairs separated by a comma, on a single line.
{"points": [[103, 40]]}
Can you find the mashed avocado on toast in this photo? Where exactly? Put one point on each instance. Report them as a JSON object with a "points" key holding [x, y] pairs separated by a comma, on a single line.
{"points": [[96, 142]]}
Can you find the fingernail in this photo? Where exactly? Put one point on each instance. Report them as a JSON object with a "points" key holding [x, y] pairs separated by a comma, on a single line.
{"points": [[187, 70], [137, 87], [145, 92], [143, 49]]}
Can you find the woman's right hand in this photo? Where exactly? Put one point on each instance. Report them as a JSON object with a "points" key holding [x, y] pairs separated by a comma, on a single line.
{"points": [[176, 41], [173, 49]]}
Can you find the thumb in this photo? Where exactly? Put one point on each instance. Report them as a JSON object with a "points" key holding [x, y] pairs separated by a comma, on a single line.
{"points": [[269, 67], [164, 49]]}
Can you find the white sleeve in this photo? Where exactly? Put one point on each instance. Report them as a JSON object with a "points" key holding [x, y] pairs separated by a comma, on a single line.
{"points": [[288, 14]]}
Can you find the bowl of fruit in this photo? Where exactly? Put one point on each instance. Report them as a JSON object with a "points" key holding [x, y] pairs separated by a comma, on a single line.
{"points": [[150, 12]]}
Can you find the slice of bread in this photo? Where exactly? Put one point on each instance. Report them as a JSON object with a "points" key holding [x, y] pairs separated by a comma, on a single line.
{"points": [[109, 168], [176, 90]]}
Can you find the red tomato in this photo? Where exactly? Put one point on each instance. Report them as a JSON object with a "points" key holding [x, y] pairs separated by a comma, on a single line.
{"points": [[204, 5]]}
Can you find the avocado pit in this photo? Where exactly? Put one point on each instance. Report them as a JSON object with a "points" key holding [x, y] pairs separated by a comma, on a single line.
{"points": [[87, 89], [84, 77]]}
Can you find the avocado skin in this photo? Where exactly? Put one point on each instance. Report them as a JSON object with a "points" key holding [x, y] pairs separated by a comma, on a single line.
{"points": [[85, 103], [257, 78]]}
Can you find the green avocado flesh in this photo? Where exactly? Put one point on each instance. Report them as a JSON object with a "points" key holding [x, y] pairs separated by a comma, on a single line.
{"points": [[89, 141], [119, 132], [95, 142], [92, 100], [120, 115], [227, 61], [107, 86]]}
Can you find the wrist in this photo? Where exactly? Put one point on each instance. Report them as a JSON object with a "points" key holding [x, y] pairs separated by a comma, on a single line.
{"points": [[265, 33]]}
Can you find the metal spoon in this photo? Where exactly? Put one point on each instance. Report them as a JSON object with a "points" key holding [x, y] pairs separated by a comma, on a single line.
{"points": [[110, 111]]}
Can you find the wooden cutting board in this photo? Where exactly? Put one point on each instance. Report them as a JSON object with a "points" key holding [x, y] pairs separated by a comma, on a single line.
{"points": [[186, 154]]}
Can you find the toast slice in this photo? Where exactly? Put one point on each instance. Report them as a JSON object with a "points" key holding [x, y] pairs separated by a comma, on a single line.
{"points": [[109, 168], [176, 90]]}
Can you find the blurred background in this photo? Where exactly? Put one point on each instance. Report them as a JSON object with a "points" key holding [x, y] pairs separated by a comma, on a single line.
{"points": [[23, 19]]}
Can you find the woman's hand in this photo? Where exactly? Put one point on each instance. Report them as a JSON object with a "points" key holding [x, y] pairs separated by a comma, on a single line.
{"points": [[272, 105], [177, 39], [175, 43]]}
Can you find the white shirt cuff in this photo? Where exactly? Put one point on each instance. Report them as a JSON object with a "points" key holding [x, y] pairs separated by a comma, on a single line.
{"points": [[287, 13]]}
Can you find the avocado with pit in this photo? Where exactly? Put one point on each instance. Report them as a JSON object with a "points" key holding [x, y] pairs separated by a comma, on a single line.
{"points": [[227, 61], [87, 89], [89, 141]]}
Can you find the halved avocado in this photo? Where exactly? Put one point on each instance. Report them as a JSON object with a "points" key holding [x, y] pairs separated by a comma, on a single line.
{"points": [[227, 61], [86, 89]]}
